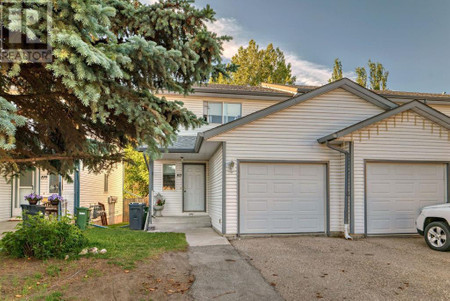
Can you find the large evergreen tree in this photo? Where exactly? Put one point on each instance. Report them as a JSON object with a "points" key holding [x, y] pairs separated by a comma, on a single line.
{"points": [[256, 66], [97, 95]]}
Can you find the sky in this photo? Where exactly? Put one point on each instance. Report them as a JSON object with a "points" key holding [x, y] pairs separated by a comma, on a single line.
{"points": [[411, 38]]}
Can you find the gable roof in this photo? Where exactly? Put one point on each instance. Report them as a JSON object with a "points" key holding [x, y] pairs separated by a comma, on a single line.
{"points": [[414, 105], [344, 83], [439, 97]]}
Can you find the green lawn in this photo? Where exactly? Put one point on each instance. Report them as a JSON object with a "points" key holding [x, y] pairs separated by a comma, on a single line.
{"points": [[35, 278], [124, 247]]}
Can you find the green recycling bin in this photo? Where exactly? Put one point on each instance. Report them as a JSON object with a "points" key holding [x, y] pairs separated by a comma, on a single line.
{"points": [[82, 218]]}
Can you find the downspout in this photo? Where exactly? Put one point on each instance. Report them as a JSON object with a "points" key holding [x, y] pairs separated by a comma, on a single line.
{"points": [[347, 186], [76, 184]]}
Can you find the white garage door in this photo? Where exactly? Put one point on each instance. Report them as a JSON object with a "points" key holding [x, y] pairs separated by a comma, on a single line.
{"points": [[397, 191], [282, 198]]}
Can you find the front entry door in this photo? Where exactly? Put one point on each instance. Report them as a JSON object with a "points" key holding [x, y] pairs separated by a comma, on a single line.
{"points": [[25, 186], [194, 187]]}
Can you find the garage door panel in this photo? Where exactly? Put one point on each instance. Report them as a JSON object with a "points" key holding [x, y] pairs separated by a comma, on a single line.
{"points": [[284, 188], [257, 205], [397, 191], [292, 201]]}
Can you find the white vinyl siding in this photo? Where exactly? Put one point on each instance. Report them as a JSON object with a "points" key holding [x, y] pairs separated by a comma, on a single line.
{"points": [[5, 199], [292, 134], [215, 190], [92, 189], [195, 105], [442, 108], [408, 138], [174, 198]]}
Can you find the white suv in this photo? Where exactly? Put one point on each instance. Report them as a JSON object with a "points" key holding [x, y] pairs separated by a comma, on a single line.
{"points": [[433, 223]]}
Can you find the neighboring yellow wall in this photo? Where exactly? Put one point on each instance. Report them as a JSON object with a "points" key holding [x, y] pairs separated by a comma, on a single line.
{"points": [[92, 190], [5, 199]]}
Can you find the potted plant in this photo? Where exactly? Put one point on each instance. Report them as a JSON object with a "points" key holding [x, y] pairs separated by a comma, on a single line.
{"points": [[55, 199], [33, 198], [160, 200]]}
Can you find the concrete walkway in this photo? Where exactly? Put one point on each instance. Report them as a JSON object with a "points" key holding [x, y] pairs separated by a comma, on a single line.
{"points": [[7, 226], [220, 272]]}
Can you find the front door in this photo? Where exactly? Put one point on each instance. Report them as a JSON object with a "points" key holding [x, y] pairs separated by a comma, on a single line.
{"points": [[25, 186], [194, 188]]}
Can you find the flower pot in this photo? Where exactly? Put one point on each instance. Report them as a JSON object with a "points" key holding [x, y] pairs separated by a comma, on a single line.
{"points": [[54, 202], [32, 202], [158, 210]]}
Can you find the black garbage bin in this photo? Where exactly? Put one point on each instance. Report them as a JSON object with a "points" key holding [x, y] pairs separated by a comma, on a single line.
{"points": [[31, 210], [137, 216]]}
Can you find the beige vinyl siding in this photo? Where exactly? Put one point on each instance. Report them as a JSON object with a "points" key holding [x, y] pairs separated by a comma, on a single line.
{"points": [[174, 198], [292, 134], [215, 190], [442, 108], [5, 199], [195, 105], [92, 189], [407, 140]]}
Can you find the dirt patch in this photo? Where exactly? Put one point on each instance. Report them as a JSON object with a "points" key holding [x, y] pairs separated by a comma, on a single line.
{"points": [[167, 277]]}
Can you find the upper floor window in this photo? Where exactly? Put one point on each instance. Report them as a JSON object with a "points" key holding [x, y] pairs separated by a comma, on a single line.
{"points": [[221, 112]]}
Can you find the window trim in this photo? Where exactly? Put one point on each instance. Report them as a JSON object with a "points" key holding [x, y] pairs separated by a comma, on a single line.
{"points": [[206, 107]]}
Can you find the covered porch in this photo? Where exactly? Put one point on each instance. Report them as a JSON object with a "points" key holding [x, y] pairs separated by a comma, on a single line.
{"points": [[188, 176]]}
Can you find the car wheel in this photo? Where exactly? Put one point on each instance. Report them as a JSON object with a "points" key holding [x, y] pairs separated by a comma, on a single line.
{"points": [[437, 236]]}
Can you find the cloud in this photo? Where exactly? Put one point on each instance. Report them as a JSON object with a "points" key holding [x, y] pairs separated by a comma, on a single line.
{"points": [[230, 27], [149, 1], [307, 73]]}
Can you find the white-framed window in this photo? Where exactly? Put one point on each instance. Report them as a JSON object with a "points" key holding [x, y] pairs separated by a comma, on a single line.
{"points": [[168, 176], [221, 112], [106, 183]]}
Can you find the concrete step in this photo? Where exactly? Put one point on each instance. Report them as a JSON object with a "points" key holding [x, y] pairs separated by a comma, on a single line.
{"points": [[180, 223]]}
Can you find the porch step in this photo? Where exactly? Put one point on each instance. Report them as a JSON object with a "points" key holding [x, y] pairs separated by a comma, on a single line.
{"points": [[180, 223]]}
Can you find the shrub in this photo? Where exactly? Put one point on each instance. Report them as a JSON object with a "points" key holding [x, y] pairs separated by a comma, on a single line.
{"points": [[44, 238]]}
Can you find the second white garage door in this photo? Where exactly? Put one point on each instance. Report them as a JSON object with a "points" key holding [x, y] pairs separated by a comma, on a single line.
{"points": [[397, 191], [282, 198]]}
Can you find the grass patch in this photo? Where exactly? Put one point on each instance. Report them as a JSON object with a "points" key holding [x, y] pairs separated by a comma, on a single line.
{"points": [[125, 247]]}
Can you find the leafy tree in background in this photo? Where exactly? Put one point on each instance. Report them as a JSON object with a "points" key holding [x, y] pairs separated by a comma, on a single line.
{"points": [[136, 174], [361, 76], [97, 95], [337, 71], [256, 66], [378, 76]]}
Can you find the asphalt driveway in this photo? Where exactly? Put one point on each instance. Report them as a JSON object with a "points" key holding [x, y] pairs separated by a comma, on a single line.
{"points": [[309, 268]]}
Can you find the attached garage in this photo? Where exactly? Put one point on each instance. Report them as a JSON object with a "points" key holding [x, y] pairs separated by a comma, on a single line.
{"points": [[282, 198], [397, 191]]}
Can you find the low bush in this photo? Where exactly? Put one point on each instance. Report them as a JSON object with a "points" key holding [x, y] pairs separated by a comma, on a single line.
{"points": [[44, 238]]}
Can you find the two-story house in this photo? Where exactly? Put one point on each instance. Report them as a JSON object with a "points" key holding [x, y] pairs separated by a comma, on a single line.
{"points": [[296, 159]]}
